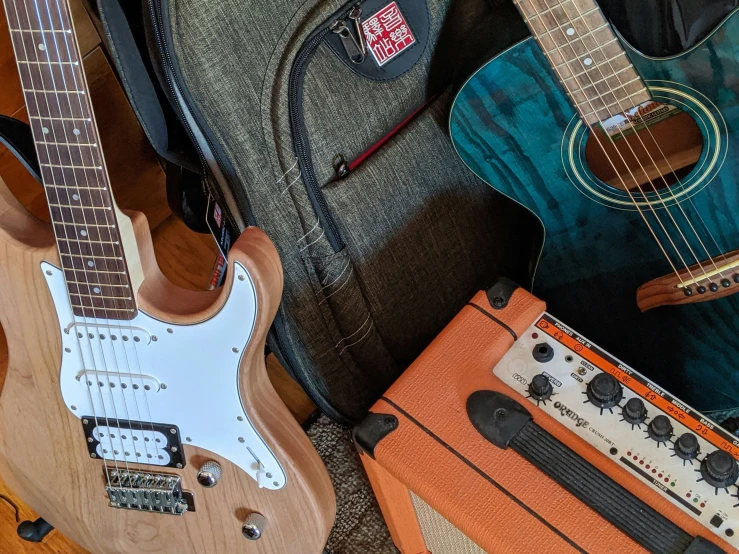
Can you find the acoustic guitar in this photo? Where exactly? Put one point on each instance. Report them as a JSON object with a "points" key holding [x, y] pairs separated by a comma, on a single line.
{"points": [[136, 416], [630, 164]]}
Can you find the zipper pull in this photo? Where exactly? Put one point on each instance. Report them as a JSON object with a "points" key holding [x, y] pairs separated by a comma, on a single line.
{"points": [[355, 51], [355, 17]]}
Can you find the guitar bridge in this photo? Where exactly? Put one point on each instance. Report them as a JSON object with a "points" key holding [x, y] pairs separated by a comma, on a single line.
{"points": [[147, 492]]}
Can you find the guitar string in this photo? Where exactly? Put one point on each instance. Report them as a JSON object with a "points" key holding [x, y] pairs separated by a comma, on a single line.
{"points": [[21, 37], [644, 146], [610, 161], [57, 96], [664, 157], [122, 270], [623, 136]]}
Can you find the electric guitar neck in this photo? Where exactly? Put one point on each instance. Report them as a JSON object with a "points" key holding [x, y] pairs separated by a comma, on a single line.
{"points": [[73, 171]]}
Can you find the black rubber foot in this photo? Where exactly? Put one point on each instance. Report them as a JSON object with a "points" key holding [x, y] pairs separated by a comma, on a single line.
{"points": [[34, 531]]}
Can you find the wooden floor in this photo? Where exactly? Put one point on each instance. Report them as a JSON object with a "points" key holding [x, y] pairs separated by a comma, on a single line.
{"points": [[138, 181]]}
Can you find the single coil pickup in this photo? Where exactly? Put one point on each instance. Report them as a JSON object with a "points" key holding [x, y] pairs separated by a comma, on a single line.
{"points": [[126, 382], [95, 329], [140, 442]]}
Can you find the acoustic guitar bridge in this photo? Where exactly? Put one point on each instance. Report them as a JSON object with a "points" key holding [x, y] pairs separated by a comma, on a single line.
{"points": [[147, 492]]}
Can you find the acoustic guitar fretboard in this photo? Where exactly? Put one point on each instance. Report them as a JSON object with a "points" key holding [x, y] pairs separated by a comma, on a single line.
{"points": [[586, 56], [72, 165]]}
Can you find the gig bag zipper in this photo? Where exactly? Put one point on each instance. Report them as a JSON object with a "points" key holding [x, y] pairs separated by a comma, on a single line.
{"points": [[349, 14]]}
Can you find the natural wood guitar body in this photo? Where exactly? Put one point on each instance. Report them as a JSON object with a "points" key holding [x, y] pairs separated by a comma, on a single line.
{"points": [[43, 456]]}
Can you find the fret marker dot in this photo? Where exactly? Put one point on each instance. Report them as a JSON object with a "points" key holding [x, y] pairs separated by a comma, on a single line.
{"points": [[588, 61], [96, 290], [91, 263], [41, 47], [76, 132], [83, 233], [570, 31], [75, 197], [45, 130]]}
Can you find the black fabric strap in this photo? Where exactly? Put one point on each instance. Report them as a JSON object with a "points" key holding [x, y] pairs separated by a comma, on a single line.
{"points": [[609, 499]]}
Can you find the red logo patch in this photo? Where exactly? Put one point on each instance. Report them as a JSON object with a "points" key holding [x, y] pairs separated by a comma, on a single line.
{"points": [[218, 215], [387, 34]]}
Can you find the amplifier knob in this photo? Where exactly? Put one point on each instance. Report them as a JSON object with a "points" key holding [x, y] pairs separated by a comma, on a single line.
{"points": [[634, 412], [686, 446], [719, 469], [540, 388], [660, 428], [604, 390]]}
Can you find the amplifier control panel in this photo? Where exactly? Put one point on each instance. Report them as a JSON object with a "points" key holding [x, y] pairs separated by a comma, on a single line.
{"points": [[680, 453]]}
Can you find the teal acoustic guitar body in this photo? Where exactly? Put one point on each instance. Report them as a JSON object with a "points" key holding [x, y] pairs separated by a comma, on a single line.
{"points": [[513, 125]]}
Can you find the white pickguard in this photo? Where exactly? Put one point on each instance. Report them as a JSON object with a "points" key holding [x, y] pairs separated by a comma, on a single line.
{"points": [[152, 371]]}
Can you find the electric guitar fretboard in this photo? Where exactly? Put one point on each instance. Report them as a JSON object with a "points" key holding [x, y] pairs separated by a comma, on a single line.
{"points": [[71, 160]]}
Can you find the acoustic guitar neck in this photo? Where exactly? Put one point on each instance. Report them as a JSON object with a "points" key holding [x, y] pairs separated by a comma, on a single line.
{"points": [[586, 55], [73, 169]]}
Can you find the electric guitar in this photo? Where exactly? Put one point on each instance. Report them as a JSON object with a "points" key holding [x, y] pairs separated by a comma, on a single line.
{"points": [[136, 416], [630, 164]]}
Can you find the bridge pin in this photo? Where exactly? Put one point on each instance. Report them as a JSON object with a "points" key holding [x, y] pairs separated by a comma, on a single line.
{"points": [[701, 289], [725, 283], [713, 287], [736, 277], [688, 291]]}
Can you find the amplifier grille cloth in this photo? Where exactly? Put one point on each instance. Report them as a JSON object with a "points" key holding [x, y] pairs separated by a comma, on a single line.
{"points": [[441, 536]]}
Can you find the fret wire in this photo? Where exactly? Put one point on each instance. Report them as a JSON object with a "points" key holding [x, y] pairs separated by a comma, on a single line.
{"points": [[92, 145], [105, 309], [555, 51], [57, 92], [611, 92], [98, 167], [27, 62], [68, 31], [548, 10], [591, 67], [606, 106], [575, 75], [96, 271], [89, 256], [95, 284], [101, 296], [89, 241], [88, 119], [87, 225], [81, 207]]}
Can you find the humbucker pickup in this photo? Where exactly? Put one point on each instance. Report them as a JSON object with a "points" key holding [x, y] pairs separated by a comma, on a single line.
{"points": [[138, 442], [149, 492]]}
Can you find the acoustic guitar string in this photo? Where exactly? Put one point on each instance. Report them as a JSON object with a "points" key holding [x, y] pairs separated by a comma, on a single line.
{"points": [[586, 71], [644, 146], [54, 87], [610, 161], [74, 328], [119, 267]]}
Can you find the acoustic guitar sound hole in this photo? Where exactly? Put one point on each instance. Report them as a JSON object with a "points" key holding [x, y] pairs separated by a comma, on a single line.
{"points": [[651, 159]]}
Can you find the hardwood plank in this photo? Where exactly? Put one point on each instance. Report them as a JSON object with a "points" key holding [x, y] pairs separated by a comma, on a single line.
{"points": [[290, 392], [137, 179], [11, 98], [185, 257]]}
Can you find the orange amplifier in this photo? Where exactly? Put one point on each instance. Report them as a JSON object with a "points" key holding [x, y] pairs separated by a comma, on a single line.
{"points": [[513, 433]]}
